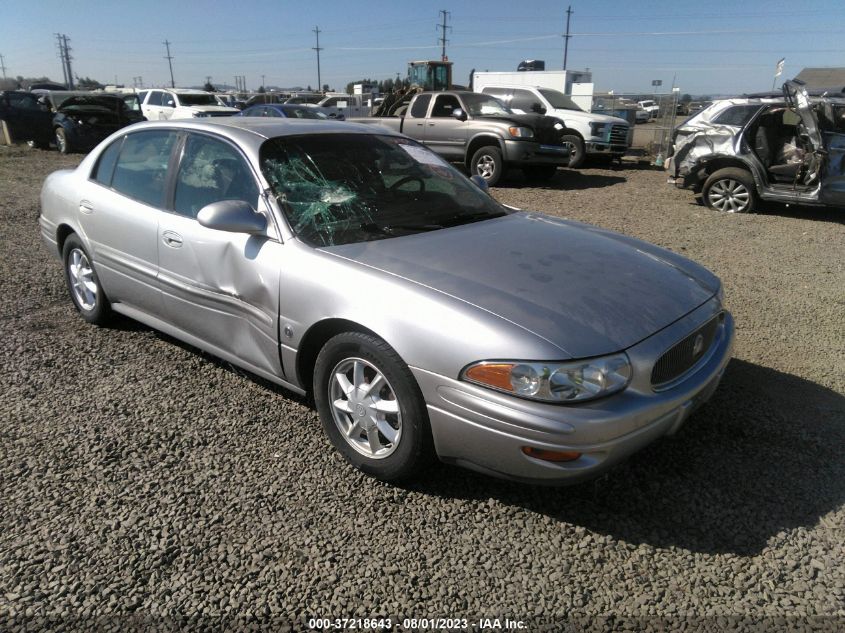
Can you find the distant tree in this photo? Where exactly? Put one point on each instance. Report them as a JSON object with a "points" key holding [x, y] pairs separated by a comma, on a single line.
{"points": [[309, 88], [262, 90], [686, 98], [86, 83], [208, 87]]}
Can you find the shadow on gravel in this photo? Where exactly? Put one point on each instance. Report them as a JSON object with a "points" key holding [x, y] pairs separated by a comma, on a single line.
{"points": [[764, 456], [819, 214], [565, 179]]}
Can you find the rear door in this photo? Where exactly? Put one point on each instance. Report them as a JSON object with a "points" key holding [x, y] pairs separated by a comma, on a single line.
{"points": [[833, 136], [220, 286], [445, 134]]}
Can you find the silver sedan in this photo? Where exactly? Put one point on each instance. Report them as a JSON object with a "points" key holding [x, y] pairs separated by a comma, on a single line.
{"points": [[425, 318]]}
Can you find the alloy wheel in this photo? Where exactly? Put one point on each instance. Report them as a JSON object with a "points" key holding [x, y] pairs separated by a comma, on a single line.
{"points": [[729, 195], [365, 408], [82, 279], [485, 166]]}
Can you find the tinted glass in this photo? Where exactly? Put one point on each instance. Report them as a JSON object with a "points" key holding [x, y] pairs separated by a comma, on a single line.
{"points": [[300, 112], [444, 105], [141, 169], [484, 105], [211, 171], [559, 100], [500, 93], [347, 188], [736, 115], [155, 98], [198, 100], [105, 165], [523, 100], [23, 101], [420, 107]]}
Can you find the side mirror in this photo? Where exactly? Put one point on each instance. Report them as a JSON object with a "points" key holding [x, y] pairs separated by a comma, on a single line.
{"points": [[459, 114], [538, 108], [479, 182], [235, 216]]}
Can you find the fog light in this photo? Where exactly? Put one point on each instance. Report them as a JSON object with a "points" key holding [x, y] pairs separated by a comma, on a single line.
{"points": [[551, 456]]}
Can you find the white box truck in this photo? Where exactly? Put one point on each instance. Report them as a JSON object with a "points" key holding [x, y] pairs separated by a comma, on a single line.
{"points": [[551, 92]]}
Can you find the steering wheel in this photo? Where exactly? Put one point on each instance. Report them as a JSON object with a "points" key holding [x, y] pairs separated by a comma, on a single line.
{"points": [[402, 181]]}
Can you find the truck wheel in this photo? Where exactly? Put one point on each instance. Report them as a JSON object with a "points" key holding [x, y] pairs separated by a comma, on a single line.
{"points": [[487, 162], [539, 173], [576, 150], [730, 190]]}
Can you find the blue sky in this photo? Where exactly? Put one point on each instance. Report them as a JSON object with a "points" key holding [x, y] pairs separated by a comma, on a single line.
{"points": [[715, 46]]}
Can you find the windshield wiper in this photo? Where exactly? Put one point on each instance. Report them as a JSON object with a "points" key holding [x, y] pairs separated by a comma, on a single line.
{"points": [[468, 218]]}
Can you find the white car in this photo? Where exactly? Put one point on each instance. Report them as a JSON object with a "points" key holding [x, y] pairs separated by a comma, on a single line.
{"points": [[163, 105], [651, 107]]}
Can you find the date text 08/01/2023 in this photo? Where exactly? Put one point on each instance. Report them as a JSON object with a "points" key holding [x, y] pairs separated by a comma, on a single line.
{"points": [[416, 624]]}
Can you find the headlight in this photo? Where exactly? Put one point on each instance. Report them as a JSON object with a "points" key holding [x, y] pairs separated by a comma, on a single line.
{"points": [[521, 132], [598, 128], [572, 381]]}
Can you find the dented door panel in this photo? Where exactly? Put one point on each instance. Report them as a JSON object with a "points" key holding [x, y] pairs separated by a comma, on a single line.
{"points": [[222, 287]]}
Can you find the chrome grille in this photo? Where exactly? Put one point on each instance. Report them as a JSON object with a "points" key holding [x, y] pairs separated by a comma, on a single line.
{"points": [[619, 134], [681, 358]]}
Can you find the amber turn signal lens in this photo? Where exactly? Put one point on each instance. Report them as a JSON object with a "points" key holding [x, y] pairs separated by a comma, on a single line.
{"points": [[551, 456], [494, 375]]}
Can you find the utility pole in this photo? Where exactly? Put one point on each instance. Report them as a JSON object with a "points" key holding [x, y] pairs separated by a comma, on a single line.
{"points": [[262, 81], [442, 39], [62, 57], [3, 66], [208, 79], [169, 59], [317, 48], [566, 37]]}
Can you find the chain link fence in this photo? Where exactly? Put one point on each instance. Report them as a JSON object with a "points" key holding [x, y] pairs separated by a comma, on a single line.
{"points": [[653, 117]]}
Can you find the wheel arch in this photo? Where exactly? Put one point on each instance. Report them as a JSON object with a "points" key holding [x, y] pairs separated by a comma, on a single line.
{"points": [[480, 141], [62, 233], [313, 341], [708, 166]]}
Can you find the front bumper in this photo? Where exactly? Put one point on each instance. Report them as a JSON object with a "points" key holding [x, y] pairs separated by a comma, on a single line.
{"points": [[484, 430], [523, 153], [596, 147]]}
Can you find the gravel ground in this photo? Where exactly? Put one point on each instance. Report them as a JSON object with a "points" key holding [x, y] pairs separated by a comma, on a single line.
{"points": [[142, 481]]}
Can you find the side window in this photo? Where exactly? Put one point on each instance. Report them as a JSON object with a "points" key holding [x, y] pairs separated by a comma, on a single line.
{"points": [[420, 107], [24, 102], [168, 100], [142, 95], [499, 93], [211, 171], [155, 98], [736, 115], [141, 168], [444, 105], [523, 100], [273, 112], [105, 165]]}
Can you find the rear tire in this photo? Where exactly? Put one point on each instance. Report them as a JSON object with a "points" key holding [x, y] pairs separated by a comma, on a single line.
{"points": [[83, 284], [371, 407], [730, 190], [488, 163]]}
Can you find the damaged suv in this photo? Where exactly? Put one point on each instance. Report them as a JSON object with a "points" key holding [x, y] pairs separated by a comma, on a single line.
{"points": [[788, 149]]}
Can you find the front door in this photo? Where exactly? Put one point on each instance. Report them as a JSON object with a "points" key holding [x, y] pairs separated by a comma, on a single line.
{"points": [[833, 134], [445, 134], [220, 286]]}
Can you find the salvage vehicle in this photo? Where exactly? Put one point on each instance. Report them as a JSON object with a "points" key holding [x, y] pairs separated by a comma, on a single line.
{"points": [[788, 149], [354, 263], [27, 117], [284, 110], [587, 133], [83, 120], [178, 103], [482, 133]]}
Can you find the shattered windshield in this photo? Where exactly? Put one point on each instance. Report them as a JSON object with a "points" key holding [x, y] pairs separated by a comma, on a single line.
{"points": [[346, 188], [485, 105]]}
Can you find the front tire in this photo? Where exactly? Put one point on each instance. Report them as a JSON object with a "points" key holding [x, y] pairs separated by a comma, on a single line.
{"points": [[62, 143], [730, 190], [576, 150], [371, 406], [83, 284], [488, 163]]}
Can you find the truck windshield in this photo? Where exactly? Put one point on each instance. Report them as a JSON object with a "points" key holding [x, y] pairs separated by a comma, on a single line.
{"points": [[484, 105], [559, 101], [348, 188]]}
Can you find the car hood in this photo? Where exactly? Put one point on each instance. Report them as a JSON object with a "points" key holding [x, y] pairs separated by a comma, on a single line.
{"points": [[586, 290], [589, 117]]}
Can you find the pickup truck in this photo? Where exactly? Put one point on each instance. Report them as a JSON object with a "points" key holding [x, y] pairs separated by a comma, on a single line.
{"points": [[482, 133]]}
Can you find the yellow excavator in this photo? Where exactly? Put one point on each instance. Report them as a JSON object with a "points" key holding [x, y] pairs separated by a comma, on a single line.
{"points": [[424, 76]]}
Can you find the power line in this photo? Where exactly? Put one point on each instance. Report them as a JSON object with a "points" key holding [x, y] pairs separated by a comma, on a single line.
{"points": [[169, 59], [442, 38], [317, 48]]}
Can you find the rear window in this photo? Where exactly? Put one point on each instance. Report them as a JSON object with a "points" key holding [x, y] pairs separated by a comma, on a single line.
{"points": [[737, 115]]}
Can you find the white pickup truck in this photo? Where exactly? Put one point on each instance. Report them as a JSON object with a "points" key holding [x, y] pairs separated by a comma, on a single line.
{"points": [[591, 134]]}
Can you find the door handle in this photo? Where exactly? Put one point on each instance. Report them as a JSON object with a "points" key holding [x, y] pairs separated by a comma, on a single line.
{"points": [[86, 207], [419, 124], [172, 239]]}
